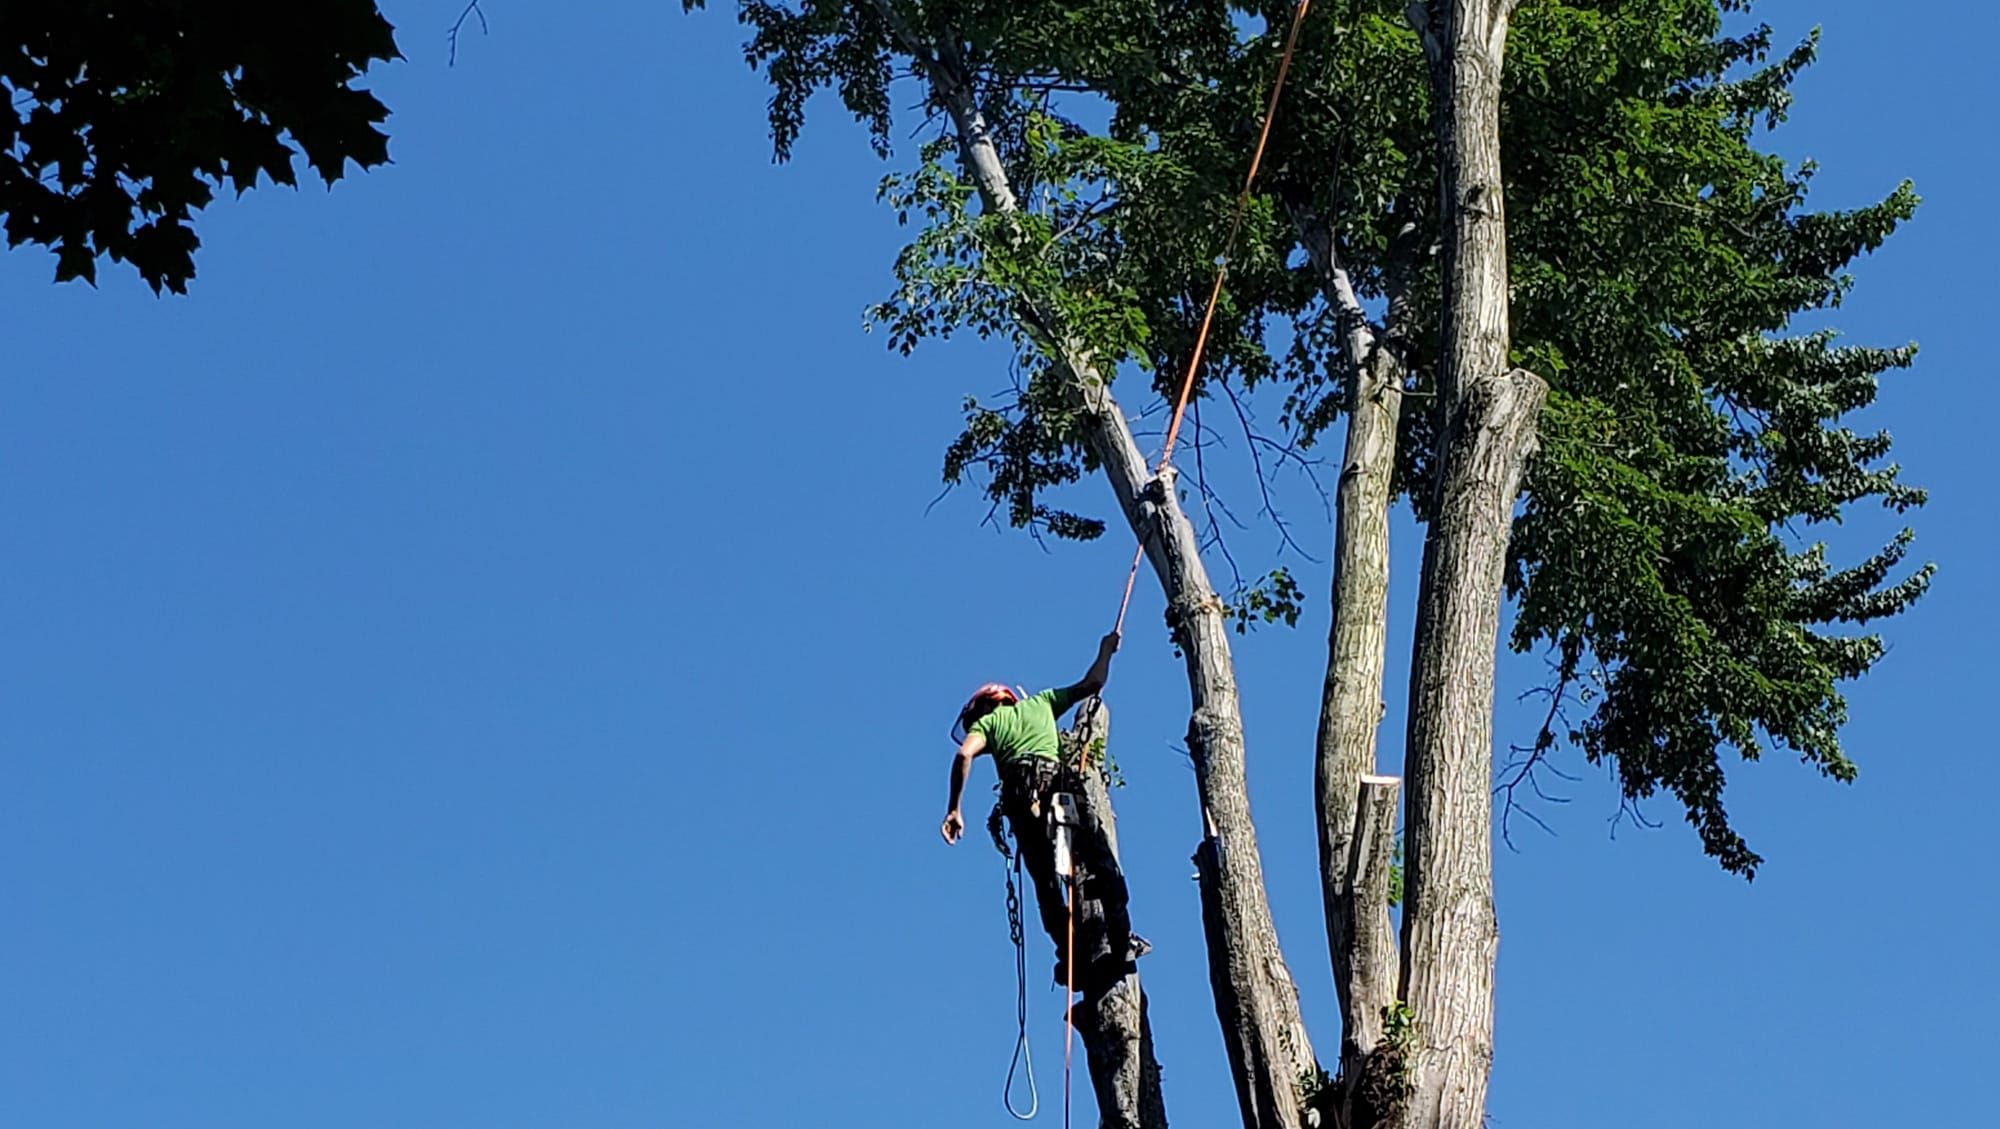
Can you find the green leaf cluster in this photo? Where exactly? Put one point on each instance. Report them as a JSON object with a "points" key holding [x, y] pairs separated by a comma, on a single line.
{"points": [[121, 119], [1277, 597], [1659, 260]]}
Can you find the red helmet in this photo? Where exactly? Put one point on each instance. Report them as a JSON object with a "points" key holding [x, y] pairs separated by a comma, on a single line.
{"points": [[994, 693]]}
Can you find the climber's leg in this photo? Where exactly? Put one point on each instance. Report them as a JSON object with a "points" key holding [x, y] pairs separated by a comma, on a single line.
{"points": [[1024, 799]]}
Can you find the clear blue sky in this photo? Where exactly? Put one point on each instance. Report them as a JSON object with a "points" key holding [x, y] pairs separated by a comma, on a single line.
{"points": [[483, 661]]}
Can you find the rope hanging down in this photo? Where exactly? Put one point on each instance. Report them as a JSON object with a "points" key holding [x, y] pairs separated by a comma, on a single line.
{"points": [[1166, 460], [1215, 291], [1023, 1057]]}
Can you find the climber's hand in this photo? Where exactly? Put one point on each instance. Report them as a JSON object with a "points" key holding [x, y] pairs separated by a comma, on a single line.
{"points": [[1107, 645], [953, 826]]}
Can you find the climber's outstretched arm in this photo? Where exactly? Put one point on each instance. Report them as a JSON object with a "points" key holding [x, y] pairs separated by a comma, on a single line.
{"points": [[961, 767], [1098, 674]]}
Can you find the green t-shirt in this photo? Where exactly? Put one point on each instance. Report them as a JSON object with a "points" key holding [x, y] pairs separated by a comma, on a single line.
{"points": [[1027, 728]]}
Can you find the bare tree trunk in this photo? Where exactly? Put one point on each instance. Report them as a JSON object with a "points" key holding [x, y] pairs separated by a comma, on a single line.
{"points": [[1113, 1024], [1256, 999], [1487, 427], [1359, 936]]}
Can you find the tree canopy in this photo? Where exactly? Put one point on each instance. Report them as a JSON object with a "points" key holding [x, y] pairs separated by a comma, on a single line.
{"points": [[122, 118], [1660, 257]]}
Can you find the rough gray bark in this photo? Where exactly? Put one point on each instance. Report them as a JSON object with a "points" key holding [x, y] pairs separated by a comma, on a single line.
{"points": [[1113, 1024], [1256, 999], [1123, 1072], [1351, 697], [1370, 866], [1487, 427], [1450, 938]]}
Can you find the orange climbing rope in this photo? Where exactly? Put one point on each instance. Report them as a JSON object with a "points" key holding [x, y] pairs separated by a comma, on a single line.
{"points": [[1166, 459], [1215, 291]]}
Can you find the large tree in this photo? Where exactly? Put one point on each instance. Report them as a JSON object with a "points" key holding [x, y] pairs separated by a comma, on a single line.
{"points": [[1549, 304], [122, 117]]}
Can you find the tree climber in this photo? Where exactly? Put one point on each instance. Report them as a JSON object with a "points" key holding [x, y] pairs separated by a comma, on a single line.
{"points": [[1026, 746]]}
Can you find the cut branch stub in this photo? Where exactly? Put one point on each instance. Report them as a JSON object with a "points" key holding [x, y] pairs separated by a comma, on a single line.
{"points": [[1371, 867]]}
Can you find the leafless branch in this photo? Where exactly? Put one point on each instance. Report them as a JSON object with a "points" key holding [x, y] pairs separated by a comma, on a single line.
{"points": [[930, 116], [1148, 412], [940, 497], [1210, 502], [1270, 509], [458, 25], [1528, 760], [1289, 453], [1628, 808]]}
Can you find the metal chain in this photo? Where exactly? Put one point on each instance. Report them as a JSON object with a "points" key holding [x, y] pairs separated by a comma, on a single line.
{"points": [[1014, 935]]}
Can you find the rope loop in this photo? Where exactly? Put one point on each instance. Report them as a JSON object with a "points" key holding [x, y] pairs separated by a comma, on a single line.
{"points": [[1024, 1059]]}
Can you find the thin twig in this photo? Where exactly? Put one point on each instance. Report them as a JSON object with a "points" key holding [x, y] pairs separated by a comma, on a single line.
{"points": [[1628, 807], [1210, 501], [458, 25], [1523, 768], [1103, 205], [1263, 479], [940, 497]]}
